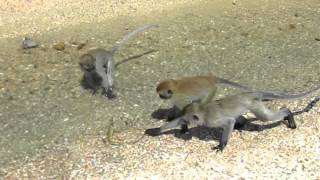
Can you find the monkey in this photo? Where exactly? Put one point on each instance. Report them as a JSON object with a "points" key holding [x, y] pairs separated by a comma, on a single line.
{"points": [[225, 112], [98, 66], [183, 91]]}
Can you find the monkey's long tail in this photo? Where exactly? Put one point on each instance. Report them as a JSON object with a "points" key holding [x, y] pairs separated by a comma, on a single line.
{"points": [[125, 39], [273, 95], [310, 105], [267, 95]]}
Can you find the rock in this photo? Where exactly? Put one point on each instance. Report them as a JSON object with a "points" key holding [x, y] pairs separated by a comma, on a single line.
{"points": [[292, 26], [59, 46], [81, 45], [28, 43]]}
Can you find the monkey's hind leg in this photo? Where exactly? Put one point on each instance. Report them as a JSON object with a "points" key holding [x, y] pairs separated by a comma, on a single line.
{"points": [[265, 114]]}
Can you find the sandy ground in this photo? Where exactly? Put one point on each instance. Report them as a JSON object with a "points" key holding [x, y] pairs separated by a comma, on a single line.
{"points": [[50, 128]]}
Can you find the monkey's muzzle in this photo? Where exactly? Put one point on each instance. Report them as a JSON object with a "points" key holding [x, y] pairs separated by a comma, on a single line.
{"points": [[163, 96]]}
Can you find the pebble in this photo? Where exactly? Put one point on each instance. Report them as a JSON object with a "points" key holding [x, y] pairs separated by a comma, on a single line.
{"points": [[28, 43], [60, 46]]}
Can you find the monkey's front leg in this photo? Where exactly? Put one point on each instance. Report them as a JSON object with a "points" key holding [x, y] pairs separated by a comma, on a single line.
{"points": [[109, 84], [109, 93], [170, 125], [227, 128], [174, 113], [92, 81]]}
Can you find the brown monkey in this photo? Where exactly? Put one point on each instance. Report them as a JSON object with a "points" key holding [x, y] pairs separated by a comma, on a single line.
{"points": [[184, 91]]}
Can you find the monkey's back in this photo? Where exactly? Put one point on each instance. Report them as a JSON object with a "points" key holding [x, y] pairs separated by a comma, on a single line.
{"points": [[196, 84], [231, 106]]}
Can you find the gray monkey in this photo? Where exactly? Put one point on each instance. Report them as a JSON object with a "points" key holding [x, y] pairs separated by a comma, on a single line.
{"points": [[225, 113]]}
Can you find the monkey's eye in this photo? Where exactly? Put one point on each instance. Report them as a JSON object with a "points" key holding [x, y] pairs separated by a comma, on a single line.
{"points": [[90, 68], [87, 67], [195, 117], [169, 92]]}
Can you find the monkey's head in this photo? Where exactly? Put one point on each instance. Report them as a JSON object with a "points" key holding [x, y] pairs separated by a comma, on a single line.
{"points": [[87, 62], [166, 88], [193, 115]]}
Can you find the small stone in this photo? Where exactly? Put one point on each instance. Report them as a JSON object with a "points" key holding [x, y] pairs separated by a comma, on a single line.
{"points": [[245, 34], [28, 43], [59, 46], [81, 45], [292, 26]]}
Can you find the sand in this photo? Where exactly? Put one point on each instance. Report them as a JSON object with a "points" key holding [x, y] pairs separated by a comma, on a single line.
{"points": [[51, 128]]}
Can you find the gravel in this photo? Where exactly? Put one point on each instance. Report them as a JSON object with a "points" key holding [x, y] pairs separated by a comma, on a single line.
{"points": [[50, 128]]}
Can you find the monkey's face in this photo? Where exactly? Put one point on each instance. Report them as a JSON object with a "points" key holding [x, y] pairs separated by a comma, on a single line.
{"points": [[193, 116], [165, 89], [87, 63]]}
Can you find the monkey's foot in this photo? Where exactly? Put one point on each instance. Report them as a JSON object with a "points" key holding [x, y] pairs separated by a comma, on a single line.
{"points": [[290, 119], [153, 132]]}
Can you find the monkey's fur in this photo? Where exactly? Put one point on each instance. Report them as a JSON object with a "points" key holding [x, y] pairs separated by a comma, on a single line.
{"points": [[224, 113], [183, 91], [98, 66]]}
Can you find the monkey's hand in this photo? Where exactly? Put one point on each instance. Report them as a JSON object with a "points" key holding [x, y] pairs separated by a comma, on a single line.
{"points": [[109, 93], [153, 132], [220, 147]]}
